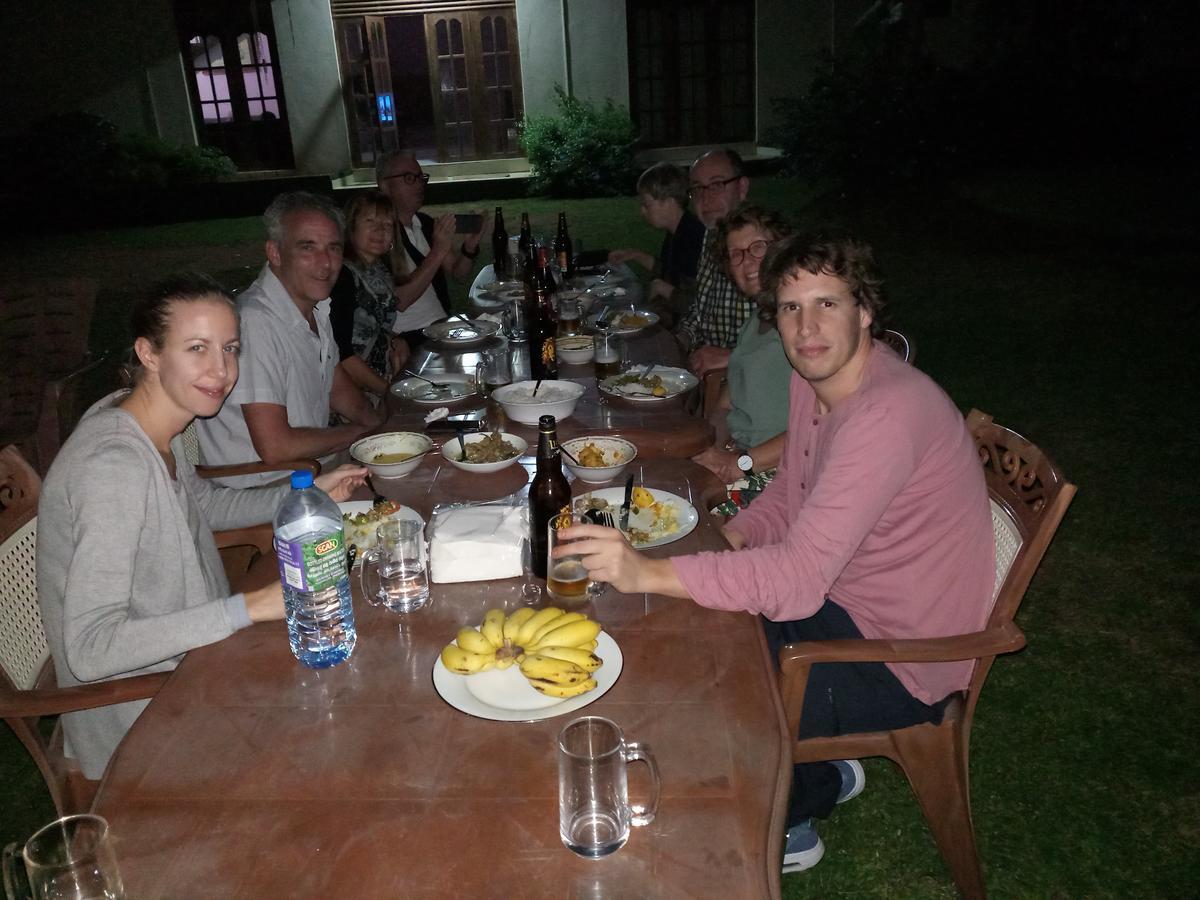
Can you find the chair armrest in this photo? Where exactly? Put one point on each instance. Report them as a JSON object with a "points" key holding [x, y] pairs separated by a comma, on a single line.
{"points": [[797, 660], [1004, 638], [254, 468], [261, 537], [55, 701]]}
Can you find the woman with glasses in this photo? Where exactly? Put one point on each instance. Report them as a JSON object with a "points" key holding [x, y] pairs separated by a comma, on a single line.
{"points": [[751, 414], [364, 300]]}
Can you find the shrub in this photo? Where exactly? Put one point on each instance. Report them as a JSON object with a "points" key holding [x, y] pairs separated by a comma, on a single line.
{"points": [[585, 151]]}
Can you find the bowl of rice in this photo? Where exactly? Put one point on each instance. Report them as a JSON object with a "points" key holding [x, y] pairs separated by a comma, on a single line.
{"points": [[554, 398]]}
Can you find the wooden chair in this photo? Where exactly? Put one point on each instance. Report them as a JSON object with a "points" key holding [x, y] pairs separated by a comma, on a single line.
{"points": [[1028, 500], [44, 345], [28, 689], [28, 686]]}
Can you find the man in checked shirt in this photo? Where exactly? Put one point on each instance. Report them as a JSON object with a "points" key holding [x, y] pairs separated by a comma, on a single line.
{"points": [[709, 329]]}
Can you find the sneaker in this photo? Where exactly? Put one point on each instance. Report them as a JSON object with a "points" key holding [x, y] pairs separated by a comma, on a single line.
{"points": [[854, 779], [803, 848]]}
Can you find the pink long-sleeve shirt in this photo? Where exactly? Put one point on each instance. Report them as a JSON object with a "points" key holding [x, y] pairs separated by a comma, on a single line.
{"points": [[879, 504]]}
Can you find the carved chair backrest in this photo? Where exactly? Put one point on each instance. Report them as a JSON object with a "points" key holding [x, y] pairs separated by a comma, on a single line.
{"points": [[1029, 498]]}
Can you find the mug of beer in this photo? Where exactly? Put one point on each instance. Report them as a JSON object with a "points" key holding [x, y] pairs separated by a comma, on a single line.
{"points": [[567, 581], [606, 357]]}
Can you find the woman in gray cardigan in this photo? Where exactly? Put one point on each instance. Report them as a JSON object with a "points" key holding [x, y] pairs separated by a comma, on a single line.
{"points": [[128, 574]]}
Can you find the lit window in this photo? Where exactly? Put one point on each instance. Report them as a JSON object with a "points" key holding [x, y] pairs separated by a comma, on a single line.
{"points": [[212, 84]]}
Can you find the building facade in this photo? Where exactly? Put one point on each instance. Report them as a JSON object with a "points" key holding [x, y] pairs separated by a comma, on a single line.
{"points": [[317, 87]]}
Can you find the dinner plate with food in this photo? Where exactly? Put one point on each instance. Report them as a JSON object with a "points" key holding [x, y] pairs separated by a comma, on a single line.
{"points": [[649, 384], [360, 519], [623, 321], [527, 665], [656, 517]]}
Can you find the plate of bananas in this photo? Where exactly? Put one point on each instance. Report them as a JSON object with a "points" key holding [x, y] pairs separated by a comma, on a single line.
{"points": [[531, 665]]}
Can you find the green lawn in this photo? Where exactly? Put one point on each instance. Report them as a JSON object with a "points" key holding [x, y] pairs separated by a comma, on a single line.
{"points": [[1067, 311]]}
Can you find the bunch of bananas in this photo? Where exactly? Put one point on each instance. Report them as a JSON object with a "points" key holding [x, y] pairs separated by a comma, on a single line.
{"points": [[553, 649]]}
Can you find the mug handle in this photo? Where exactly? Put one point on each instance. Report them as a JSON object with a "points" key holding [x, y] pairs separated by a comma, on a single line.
{"points": [[16, 878], [643, 814], [366, 558]]}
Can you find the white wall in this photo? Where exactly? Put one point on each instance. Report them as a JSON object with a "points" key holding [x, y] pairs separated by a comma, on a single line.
{"points": [[312, 86], [543, 62], [599, 50]]}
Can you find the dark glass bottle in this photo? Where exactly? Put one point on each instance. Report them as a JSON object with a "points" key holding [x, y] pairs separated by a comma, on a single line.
{"points": [[525, 241], [500, 246], [543, 350], [548, 492], [562, 249]]}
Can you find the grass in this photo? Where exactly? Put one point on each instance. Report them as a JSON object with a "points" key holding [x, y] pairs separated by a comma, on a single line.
{"points": [[1069, 314]]}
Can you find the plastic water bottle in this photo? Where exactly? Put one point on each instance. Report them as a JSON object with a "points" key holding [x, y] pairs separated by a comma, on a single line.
{"points": [[311, 546]]}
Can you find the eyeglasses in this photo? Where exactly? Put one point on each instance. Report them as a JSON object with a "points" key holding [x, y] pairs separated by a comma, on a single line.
{"points": [[699, 190], [756, 250], [408, 177]]}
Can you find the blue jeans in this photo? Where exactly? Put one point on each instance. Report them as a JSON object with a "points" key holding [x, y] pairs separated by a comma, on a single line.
{"points": [[842, 698]]}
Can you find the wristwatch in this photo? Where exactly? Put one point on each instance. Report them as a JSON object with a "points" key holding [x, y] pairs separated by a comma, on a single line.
{"points": [[745, 463]]}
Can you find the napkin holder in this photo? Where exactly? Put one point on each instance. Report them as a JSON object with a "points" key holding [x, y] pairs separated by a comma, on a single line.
{"points": [[477, 541]]}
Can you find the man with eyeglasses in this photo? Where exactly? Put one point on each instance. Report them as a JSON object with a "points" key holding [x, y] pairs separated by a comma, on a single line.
{"points": [[424, 251], [708, 330]]}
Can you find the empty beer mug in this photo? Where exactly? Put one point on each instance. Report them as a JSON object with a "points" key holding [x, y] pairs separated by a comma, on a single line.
{"points": [[70, 859], [395, 572], [594, 812]]}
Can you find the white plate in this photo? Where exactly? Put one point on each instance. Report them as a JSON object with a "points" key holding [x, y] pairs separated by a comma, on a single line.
{"points": [[506, 696], [418, 391], [354, 507], [502, 296], [676, 381], [461, 332], [688, 517], [617, 328]]}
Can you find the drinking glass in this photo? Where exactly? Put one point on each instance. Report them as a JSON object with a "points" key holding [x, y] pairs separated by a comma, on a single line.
{"points": [[492, 371], [567, 580], [399, 563], [568, 314], [607, 355], [594, 812], [70, 859], [518, 320]]}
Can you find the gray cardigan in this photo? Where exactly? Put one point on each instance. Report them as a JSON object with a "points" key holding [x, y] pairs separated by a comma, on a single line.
{"points": [[129, 578]]}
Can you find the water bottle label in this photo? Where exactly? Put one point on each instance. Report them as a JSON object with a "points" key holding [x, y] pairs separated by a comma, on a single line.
{"points": [[312, 566]]}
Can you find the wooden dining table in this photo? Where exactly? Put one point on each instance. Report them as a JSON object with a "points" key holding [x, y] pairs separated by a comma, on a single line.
{"points": [[252, 776], [668, 427]]}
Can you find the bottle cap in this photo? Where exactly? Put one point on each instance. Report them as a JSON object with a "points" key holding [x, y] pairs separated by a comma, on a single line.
{"points": [[302, 479], [547, 423]]}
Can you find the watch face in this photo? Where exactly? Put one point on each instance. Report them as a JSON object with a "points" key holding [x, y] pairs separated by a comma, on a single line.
{"points": [[745, 463]]}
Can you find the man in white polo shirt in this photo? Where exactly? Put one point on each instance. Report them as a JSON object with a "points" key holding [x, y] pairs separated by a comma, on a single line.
{"points": [[289, 380], [424, 251]]}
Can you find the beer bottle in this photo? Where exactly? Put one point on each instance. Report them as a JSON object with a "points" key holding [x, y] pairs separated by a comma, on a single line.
{"points": [[543, 351], [548, 492], [525, 242], [562, 249], [500, 246]]}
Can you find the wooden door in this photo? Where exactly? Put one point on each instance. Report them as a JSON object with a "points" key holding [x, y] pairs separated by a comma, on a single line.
{"points": [[475, 80], [367, 87]]}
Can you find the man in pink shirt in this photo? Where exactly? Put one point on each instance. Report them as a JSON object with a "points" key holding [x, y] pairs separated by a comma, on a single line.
{"points": [[876, 525]]}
